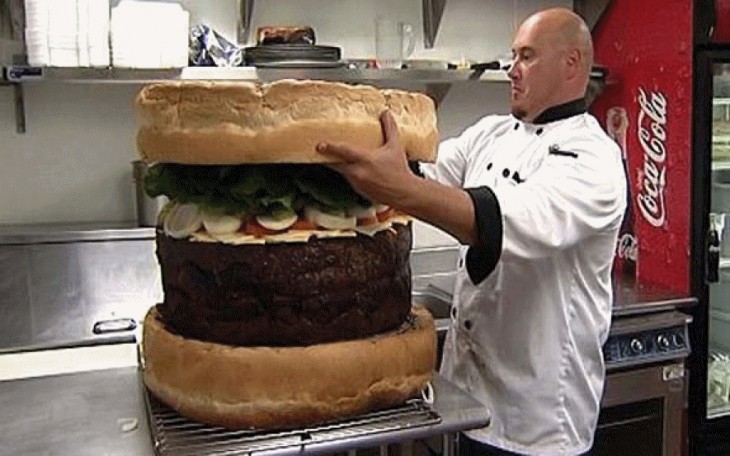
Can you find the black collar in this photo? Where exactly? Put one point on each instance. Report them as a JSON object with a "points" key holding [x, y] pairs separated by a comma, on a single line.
{"points": [[561, 111]]}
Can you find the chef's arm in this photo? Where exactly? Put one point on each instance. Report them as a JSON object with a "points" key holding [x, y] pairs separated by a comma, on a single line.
{"points": [[448, 208], [471, 215], [383, 175]]}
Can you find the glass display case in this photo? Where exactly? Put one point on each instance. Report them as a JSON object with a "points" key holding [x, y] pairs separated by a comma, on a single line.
{"points": [[718, 370], [709, 389]]}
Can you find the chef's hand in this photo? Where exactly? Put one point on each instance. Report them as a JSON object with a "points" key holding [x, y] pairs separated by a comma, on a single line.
{"points": [[382, 175]]}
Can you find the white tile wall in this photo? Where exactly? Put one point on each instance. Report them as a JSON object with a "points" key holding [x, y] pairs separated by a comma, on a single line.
{"points": [[73, 164]]}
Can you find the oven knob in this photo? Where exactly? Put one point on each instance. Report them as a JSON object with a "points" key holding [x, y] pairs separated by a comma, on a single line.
{"points": [[663, 342], [636, 346], [678, 340]]}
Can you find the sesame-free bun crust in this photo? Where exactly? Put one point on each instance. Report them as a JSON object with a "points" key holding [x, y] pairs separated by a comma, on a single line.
{"points": [[226, 122], [284, 387]]}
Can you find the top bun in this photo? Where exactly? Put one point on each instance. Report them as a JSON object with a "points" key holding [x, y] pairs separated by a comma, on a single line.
{"points": [[221, 123]]}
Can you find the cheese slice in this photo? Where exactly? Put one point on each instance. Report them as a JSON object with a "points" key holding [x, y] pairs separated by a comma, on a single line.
{"points": [[401, 219], [299, 236], [373, 229], [335, 234], [201, 236], [290, 236], [238, 239]]}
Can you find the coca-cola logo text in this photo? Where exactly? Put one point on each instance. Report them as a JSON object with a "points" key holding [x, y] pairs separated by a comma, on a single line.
{"points": [[652, 121]]}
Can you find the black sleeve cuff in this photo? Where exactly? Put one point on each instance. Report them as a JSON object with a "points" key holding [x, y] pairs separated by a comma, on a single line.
{"points": [[482, 257]]}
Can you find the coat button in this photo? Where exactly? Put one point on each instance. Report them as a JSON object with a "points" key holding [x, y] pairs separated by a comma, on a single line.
{"points": [[505, 172], [467, 325], [489, 166], [539, 131], [517, 125]]}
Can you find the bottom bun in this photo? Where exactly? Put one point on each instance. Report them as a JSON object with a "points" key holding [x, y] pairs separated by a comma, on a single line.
{"points": [[285, 387]]}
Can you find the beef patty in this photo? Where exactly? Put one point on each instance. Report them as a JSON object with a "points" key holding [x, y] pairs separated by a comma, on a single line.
{"points": [[286, 294]]}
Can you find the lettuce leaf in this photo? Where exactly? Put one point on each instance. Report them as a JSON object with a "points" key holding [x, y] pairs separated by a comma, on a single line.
{"points": [[252, 189]]}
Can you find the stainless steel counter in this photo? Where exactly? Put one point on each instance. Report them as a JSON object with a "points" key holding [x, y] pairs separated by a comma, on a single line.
{"points": [[72, 232], [631, 298], [103, 413], [90, 413]]}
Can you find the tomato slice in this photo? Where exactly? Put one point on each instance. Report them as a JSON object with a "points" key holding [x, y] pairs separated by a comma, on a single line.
{"points": [[385, 215], [303, 224], [252, 228], [365, 221]]}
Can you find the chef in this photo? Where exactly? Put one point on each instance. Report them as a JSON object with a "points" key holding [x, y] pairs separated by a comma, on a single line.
{"points": [[536, 198]]}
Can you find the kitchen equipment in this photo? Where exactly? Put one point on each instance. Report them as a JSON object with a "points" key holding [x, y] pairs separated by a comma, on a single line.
{"points": [[293, 56], [479, 68], [147, 207], [451, 411], [394, 42], [644, 394], [428, 64]]}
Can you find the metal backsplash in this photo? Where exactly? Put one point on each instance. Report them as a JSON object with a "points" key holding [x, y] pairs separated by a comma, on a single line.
{"points": [[73, 288], [75, 293]]}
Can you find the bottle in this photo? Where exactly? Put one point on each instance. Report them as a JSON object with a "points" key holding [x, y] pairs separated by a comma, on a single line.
{"points": [[713, 256]]}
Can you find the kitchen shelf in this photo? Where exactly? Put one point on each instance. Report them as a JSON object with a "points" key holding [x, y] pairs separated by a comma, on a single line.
{"points": [[437, 82], [19, 234], [22, 74]]}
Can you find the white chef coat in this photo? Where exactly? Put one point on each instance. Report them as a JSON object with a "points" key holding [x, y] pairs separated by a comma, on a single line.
{"points": [[527, 339]]}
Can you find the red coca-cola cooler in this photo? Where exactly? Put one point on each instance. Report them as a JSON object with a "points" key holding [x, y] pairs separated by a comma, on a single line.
{"points": [[668, 103]]}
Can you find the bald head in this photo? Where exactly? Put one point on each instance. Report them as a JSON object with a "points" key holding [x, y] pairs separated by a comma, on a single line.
{"points": [[553, 55], [566, 30]]}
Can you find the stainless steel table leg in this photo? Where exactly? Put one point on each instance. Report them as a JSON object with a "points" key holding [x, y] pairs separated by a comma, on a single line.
{"points": [[449, 445]]}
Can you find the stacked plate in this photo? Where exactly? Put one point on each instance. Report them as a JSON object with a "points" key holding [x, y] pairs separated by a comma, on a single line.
{"points": [[293, 56], [36, 32], [67, 33]]}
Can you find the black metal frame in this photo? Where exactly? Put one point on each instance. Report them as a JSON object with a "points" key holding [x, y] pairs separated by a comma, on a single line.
{"points": [[707, 437], [704, 20]]}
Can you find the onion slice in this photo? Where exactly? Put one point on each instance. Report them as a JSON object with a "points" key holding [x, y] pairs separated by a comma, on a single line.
{"points": [[281, 221], [221, 224], [338, 221], [182, 221]]}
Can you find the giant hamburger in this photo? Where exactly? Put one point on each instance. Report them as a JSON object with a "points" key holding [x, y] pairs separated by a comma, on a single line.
{"points": [[286, 294]]}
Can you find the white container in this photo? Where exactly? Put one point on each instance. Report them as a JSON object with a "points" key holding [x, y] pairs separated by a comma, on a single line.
{"points": [[62, 14], [149, 35], [99, 57], [97, 42], [64, 57]]}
